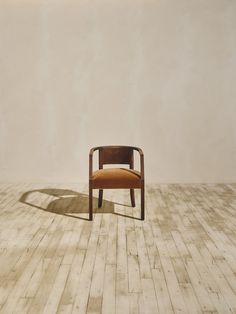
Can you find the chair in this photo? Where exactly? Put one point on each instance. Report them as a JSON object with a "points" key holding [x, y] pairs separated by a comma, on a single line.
{"points": [[116, 178]]}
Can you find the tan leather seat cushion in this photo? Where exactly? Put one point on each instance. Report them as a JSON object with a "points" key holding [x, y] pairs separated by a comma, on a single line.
{"points": [[116, 178]]}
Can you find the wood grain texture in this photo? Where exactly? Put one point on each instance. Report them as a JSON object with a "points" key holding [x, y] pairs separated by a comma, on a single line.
{"points": [[181, 259]]}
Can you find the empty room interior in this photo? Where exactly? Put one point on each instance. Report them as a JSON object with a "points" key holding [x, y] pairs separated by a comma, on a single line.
{"points": [[118, 156]]}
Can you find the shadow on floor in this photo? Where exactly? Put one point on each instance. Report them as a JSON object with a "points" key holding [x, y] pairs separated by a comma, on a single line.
{"points": [[66, 202]]}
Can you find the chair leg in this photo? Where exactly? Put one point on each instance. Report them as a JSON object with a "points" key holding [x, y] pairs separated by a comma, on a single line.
{"points": [[132, 197], [100, 198], [142, 202], [90, 203]]}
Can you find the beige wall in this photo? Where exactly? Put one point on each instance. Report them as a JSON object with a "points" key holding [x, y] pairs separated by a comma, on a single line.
{"points": [[157, 74]]}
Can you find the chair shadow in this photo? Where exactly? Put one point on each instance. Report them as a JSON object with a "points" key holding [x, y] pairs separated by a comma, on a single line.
{"points": [[67, 202], [64, 202]]}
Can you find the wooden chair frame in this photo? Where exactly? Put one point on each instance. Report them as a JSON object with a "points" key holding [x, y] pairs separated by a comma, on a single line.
{"points": [[127, 157]]}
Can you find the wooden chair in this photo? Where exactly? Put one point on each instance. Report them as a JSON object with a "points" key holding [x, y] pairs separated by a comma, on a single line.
{"points": [[116, 178]]}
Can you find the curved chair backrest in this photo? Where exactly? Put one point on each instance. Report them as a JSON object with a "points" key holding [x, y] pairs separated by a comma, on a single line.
{"points": [[116, 155]]}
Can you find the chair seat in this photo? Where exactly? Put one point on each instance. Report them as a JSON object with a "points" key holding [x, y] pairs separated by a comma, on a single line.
{"points": [[115, 178]]}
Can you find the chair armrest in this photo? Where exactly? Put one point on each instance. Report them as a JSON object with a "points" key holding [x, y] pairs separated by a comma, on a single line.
{"points": [[92, 150], [139, 150]]}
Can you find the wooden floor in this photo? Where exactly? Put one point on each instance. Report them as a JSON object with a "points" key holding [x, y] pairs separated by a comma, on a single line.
{"points": [[181, 259]]}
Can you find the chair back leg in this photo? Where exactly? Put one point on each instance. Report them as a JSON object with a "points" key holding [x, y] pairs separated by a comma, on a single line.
{"points": [[132, 197], [100, 195]]}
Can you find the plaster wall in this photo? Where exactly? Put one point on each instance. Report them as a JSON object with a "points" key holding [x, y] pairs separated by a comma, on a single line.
{"points": [[156, 74]]}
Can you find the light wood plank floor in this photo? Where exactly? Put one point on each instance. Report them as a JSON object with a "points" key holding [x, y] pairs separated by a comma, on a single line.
{"points": [[181, 259]]}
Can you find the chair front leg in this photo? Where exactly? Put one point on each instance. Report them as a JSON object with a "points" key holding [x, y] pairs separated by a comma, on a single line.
{"points": [[100, 198], [142, 202], [90, 202]]}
